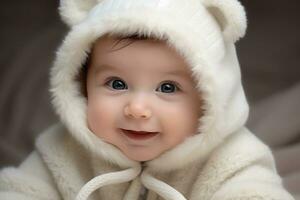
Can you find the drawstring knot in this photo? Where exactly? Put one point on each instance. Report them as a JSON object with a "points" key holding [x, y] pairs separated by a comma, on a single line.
{"points": [[161, 188]]}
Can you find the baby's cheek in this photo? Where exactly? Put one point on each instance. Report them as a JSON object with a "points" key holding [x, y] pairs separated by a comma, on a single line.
{"points": [[184, 125], [97, 115]]}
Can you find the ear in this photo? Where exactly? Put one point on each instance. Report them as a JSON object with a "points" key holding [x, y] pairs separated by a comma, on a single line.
{"points": [[74, 11], [230, 15]]}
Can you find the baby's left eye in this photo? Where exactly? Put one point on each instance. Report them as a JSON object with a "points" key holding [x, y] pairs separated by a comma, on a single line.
{"points": [[168, 87]]}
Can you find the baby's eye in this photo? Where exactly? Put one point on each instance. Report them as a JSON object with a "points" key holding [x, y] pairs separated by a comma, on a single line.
{"points": [[116, 84], [168, 87]]}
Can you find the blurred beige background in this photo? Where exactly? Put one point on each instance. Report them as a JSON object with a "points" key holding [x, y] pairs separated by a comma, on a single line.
{"points": [[31, 31]]}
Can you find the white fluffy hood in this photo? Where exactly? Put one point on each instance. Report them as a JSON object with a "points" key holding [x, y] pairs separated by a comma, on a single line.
{"points": [[202, 31]]}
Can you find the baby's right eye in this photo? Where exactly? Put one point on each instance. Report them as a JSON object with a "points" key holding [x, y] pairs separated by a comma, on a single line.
{"points": [[116, 84]]}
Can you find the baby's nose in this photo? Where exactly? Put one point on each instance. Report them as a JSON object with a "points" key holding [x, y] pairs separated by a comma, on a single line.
{"points": [[137, 110]]}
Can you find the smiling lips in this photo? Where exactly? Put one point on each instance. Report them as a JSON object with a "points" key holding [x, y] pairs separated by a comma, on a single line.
{"points": [[139, 135]]}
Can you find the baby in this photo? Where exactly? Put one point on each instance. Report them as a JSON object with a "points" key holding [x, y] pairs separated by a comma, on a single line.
{"points": [[152, 107], [141, 98]]}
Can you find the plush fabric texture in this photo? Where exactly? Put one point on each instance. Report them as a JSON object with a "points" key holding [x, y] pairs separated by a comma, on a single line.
{"points": [[223, 161], [241, 168]]}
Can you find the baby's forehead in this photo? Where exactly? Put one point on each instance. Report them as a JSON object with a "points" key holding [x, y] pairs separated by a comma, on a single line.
{"points": [[157, 56]]}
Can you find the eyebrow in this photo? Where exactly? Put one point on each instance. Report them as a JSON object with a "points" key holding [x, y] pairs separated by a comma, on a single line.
{"points": [[176, 72], [107, 67]]}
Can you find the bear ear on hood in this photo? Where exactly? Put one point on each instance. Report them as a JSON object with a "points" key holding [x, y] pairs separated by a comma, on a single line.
{"points": [[230, 15], [73, 12]]}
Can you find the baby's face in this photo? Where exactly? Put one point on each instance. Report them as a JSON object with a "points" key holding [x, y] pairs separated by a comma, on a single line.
{"points": [[141, 98]]}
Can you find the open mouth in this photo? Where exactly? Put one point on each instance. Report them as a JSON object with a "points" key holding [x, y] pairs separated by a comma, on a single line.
{"points": [[138, 135]]}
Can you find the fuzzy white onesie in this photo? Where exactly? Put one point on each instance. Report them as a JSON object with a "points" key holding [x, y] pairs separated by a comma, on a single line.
{"points": [[223, 161]]}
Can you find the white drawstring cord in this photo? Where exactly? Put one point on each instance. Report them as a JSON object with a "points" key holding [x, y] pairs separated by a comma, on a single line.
{"points": [[161, 188], [107, 179]]}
